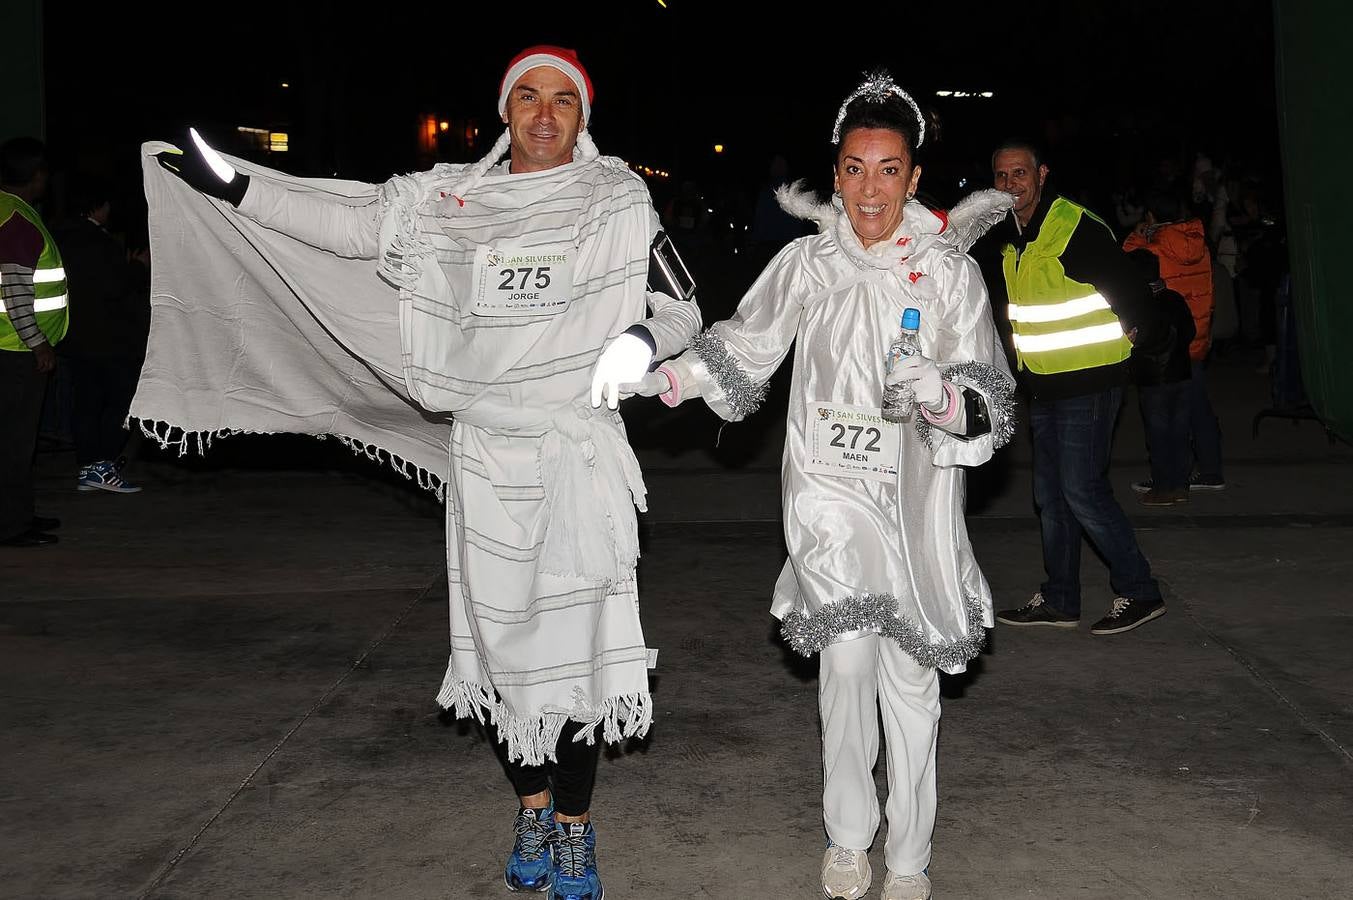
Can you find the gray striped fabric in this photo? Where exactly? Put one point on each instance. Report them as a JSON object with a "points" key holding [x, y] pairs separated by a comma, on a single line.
{"points": [[540, 489]]}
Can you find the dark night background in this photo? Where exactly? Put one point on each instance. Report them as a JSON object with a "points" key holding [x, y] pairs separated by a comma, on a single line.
{"points": [[1109, 88]]}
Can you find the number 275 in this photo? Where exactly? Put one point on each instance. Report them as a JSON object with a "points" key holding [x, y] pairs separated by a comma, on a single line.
{"points": [[509, 275]]}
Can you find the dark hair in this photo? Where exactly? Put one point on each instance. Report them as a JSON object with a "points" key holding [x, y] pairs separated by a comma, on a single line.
{"points": [[1162, 206], [891, 114], [20, 159], [1015, 143], [88, 194], [1146, 262]]}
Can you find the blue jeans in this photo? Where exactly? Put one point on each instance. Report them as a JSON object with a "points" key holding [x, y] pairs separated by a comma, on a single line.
{"points": [[1165, 413], [1204, 425], [1071, 489]]}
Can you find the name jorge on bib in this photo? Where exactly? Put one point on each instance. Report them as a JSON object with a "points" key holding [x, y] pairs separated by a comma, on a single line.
{"points": [[509, 282], [852, 442]]}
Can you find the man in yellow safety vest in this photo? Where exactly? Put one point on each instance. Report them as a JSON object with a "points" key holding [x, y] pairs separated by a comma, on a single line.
{"points": [[1076, 305], [33, 288]]}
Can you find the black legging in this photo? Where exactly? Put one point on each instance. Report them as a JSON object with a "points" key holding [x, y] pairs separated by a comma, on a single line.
{"points": [[569, 781]]}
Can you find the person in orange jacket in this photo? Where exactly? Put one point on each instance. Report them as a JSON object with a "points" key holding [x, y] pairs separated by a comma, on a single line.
{"points": [[1181, 247]]}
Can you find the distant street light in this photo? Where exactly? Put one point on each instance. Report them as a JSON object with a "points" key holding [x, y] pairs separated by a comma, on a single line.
{"points": [[718, 148]]}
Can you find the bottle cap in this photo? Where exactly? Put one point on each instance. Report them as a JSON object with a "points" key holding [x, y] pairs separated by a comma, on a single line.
{"points": [[911, 318]]}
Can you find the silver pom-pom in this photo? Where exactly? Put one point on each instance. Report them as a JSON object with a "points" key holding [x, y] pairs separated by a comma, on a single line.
{"points": [[878, 613], [740, 392], [876, 87]]}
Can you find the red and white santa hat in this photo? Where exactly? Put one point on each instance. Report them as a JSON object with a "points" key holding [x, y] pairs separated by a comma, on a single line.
{"points": [[560, 58]]}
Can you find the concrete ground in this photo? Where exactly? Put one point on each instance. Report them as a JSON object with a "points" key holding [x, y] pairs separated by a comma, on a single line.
{"points": [[223, 687]]}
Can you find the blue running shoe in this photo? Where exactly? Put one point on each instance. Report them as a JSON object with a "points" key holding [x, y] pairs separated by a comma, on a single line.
{"points": [[575, 863], [528, 868]]}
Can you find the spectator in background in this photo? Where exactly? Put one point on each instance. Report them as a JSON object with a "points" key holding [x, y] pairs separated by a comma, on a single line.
{"points": [[1162, 374], [33, 319], [1076, 302], [107, 342], [772, 227], [1186, 267]]}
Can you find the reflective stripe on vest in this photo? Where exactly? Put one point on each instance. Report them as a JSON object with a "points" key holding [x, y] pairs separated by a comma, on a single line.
{"points": [[1056, 312], [1059, 324], [1062, 340], [50, 298]]}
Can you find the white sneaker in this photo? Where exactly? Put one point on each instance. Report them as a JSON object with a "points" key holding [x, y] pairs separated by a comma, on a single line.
{"points": [[845, 873], [906, 887]]}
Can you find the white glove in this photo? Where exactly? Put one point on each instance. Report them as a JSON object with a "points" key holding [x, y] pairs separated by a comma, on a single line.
{"points": [[925, 380], [626, 360]]}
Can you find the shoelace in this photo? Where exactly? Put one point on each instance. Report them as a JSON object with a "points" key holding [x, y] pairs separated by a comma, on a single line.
{"points": [[843, 856], [532, 836], [1035, 602], [572, 853], [1119, 604]]}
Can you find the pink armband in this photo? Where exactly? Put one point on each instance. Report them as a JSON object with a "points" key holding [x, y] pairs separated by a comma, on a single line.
{"points": [[953, 404], [671, 396]]}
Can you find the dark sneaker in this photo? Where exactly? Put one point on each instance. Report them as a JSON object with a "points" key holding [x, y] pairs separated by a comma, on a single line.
{"points": [[30, 538], [1154, 497], [104, 476], [1142, 486], [530, 867], [1037, 612], [1207, 483], [1127, 614]]}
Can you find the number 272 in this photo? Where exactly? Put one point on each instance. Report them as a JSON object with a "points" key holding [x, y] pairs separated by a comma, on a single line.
{"points": [[840, 430]]}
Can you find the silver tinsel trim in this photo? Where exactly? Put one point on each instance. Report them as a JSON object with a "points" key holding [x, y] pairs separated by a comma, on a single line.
{"points": [[997, 390], [878, 613], [877, 86], [741, 394]]}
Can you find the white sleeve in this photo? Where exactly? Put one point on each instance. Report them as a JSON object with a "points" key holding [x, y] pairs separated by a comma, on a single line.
{"points": [[349, 231], [729, 364], [672, 323]]}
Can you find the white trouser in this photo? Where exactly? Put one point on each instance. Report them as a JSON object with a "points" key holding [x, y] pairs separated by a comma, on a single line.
{"points": [[855, 677]]}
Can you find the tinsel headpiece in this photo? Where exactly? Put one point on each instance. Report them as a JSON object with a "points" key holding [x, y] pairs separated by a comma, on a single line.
{"points": [[876, 87]]}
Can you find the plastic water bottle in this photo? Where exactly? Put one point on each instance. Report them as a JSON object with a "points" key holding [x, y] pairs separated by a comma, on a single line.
{"points": [[907, 343]]}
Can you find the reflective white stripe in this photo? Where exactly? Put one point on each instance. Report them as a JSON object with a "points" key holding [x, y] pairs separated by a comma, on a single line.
{"points": [[1078, 337], [49, 304], [222, 169], [47, 276], [1056, 312]]}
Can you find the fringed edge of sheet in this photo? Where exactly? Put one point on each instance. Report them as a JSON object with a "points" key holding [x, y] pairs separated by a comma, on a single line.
{"points": [[878, 613], [168, 435], [533, 740]]}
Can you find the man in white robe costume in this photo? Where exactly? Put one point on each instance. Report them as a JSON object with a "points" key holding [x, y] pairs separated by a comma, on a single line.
{"points": [[881, 578], [467, 308]]}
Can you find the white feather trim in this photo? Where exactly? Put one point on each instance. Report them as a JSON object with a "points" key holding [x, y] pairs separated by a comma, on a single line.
{"points": [[801, 203], [975, 215]]}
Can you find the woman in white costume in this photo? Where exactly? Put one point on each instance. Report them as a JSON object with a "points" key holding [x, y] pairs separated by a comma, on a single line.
{"points": [[881, 578]]}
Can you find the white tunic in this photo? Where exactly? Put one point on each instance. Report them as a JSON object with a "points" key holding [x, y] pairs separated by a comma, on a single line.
{"points": [[541, 489], [884, 553]]}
